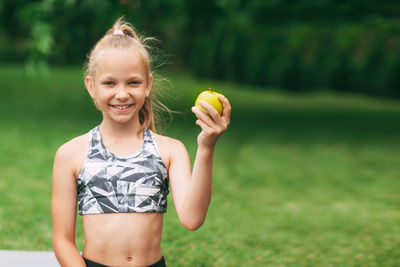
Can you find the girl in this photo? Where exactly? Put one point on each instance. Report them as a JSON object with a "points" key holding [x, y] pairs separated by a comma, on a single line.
{"points": [[119, 173]]}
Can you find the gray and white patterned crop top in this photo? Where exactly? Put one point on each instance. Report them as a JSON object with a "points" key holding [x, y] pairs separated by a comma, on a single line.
{"points": [[110, 184]]}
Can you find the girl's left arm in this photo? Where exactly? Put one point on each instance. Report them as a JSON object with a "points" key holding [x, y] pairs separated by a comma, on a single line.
{"points": [[191, 192]]}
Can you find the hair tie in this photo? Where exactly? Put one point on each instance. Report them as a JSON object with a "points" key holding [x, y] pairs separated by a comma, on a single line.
{"points": [[118, 32]]}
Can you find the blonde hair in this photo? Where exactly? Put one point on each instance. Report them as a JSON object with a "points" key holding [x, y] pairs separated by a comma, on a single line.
{"points": [[123, 35]]}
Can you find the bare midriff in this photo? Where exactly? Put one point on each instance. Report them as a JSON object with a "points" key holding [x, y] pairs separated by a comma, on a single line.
{"points": [[123, 239]]}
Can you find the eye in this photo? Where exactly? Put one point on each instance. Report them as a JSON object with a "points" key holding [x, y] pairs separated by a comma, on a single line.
{"points": [[108, 83], [134, 82]]}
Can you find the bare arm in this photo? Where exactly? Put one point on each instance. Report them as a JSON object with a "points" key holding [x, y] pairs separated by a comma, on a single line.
{"points": [[63, 209], [192, 192]]}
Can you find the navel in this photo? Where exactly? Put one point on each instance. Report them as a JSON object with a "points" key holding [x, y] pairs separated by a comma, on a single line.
{"points": [[130, 259]]}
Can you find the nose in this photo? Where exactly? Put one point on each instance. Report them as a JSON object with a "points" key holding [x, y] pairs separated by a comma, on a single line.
{"points": [[121, 93]]}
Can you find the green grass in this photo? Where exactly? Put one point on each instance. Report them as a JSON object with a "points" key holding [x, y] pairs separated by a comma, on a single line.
{"points": [[299, 180]]}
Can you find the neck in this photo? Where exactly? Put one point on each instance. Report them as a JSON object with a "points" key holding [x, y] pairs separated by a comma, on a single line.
{"points": [[121, 130]]}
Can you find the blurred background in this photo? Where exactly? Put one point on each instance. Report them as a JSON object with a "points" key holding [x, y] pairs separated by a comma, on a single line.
{"points": [[308, 172], [294, 45]]}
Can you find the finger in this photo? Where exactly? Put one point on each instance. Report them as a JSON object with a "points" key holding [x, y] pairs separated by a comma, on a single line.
{"points": [[202, 116], [227, 109], [204, 127], [212, 112]]}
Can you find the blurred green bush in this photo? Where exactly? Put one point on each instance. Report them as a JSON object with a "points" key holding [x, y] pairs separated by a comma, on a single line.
{"points": [[296, 45], [302, 46]]}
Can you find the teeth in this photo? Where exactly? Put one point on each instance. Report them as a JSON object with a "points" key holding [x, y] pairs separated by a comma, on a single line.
{"points": [[122, 107]]}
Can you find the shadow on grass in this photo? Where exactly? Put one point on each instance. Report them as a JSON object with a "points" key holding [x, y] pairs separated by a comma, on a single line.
{"points": [[317, 125], [307, 126], [282, 124], [62, 100]]}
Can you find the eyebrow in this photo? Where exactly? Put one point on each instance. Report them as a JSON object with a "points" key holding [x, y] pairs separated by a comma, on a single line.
{"points": [[109, 76], [134, 77]]}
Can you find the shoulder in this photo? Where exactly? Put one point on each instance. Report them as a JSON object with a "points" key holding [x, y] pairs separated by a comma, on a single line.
{"points": [[73, 152], [69, 148], [168, 143], [169, 147]]}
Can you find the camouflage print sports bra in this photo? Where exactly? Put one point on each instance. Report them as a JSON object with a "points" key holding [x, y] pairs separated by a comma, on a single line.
{"points": [[109, 184]]}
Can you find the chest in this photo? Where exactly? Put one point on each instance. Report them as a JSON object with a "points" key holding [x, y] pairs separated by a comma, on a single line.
{"points": [[146, 171], [123, 148], [139, 185]]}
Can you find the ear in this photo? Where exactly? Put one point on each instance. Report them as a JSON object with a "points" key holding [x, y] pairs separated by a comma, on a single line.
{"points": [[90, 86], [149, 85]]}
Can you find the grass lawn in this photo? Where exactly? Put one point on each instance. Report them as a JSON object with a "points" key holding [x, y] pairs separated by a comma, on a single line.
{"points": [[299, 180]]}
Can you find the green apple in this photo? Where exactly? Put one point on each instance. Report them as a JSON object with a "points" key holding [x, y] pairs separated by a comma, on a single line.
{"points": [[211, 98]]}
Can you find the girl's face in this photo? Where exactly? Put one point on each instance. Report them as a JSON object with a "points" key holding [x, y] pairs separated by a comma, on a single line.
{"points": [[120, 84]]}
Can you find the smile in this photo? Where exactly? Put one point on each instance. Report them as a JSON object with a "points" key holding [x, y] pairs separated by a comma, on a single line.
{"points": [[122, 107]]}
